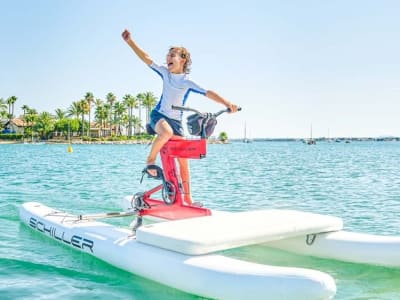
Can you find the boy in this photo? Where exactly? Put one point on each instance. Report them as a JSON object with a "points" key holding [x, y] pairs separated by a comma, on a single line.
{"points": [[165, 121]]}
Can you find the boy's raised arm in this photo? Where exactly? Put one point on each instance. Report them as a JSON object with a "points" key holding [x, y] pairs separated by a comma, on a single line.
{"points": [[126, 35]]}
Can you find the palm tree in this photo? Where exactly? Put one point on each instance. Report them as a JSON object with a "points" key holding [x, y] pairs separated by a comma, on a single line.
{"points": [[136, 123], [140, 98], [25, 109], [119, 111], [10, 102], [74, 110], [89, 99], [44, 125], [83, 109], [78, 109], [124, 121], [31, 117], [131, 103], [3, 112], [60, 114], [110, 98], [107, 123], [98, 102], [3, 108], [149, 101], [62, 123], [101, 115], [99, 123]]}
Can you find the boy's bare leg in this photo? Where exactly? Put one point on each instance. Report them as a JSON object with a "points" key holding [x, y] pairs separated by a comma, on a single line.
{"points": [[164, 133]]}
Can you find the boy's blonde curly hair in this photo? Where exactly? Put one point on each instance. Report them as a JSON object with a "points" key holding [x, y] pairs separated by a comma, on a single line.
{"points": [[185, 54]]}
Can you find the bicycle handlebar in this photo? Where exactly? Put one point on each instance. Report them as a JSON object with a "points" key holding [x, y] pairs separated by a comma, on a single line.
{"points": [[183, 108], [203, 125]]}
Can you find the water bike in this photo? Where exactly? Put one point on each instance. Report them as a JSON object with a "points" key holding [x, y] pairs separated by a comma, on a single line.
{"points": [[172, 205], [182, 250]]}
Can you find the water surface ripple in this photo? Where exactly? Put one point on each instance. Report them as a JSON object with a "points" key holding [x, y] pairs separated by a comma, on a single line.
{"points": [[358, 182]]}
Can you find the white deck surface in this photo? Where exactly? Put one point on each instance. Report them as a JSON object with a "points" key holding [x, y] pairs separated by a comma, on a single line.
{"points": [[225, 231]]}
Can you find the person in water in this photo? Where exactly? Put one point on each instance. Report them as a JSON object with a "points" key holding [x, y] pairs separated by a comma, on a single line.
{"points": [[165, 121]]}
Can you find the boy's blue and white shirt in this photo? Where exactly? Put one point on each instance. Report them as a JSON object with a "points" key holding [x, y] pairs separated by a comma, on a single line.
{"points": [[176, 88]]}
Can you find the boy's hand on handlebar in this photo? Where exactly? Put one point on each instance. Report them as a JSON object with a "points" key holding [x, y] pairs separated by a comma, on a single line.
{"points": [[233, 108]]}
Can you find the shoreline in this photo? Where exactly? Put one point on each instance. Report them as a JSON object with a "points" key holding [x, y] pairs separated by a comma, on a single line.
{"points": [[2, 142], [210, 141], [82, 142]]}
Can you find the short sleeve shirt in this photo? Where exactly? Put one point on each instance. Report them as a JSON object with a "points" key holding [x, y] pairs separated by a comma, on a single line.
{"points": [[176, 88]]}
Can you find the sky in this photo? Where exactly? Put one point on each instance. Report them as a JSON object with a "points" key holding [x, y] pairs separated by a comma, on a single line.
{"points": [[333, 66]]}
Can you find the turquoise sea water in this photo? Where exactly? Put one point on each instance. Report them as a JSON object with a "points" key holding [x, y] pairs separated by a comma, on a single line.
{"points": [[358, 181]]}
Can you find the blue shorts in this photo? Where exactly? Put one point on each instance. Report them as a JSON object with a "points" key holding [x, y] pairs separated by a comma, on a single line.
{"points": [[176, 125]]}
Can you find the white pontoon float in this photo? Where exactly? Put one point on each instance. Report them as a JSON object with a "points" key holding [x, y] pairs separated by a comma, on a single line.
{"points": [[339, 244], [180, 254]]}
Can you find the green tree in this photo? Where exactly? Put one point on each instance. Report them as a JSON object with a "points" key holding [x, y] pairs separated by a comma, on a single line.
{"points": [[61, 121], [101, 116], [223, 137], [78, 109], [110, 99], [137, 124], [140, 98], [74, 124], [60, 114], [149, 101], [119, 113], [3, 112], [45, 125], [30, 118], [131, 103], [89, 99], [83, 109], [11, 101], [3, 108], [61, 125], [74, 110], [24, 108]]}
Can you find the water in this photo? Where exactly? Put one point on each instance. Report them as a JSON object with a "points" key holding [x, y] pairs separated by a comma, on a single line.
{"points": [[357, 181]]}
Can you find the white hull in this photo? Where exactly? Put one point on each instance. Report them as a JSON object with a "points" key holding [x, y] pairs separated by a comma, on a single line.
{"points": [[339, 245], [210, 275], [346, 246]]}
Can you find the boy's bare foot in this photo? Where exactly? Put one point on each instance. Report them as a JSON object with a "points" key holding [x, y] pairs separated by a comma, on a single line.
{"points": [[151, 171], [188, 199]]}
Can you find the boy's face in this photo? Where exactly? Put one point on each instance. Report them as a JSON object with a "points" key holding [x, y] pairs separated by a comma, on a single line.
{"points": [[175, 62]]}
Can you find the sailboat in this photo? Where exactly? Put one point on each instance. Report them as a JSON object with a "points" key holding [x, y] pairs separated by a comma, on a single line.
{"points": [[245, 138], [311, 141]]}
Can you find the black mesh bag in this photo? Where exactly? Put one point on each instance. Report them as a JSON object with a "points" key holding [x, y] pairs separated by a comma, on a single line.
{"points": [[195, 124]]}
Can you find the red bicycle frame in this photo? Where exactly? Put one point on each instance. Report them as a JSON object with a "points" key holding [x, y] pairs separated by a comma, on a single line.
{"points": [[172, 150]]}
